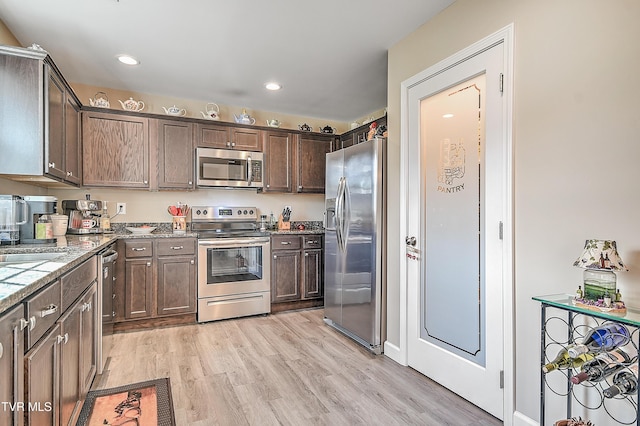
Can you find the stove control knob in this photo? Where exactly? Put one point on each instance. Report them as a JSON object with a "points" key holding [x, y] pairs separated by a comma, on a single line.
{"points": [[250, 211], [198, 212], [239, 211], [204, 212], [245, 212]]}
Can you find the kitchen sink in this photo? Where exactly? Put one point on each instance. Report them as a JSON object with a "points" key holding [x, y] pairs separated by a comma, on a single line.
{"points": [[27, 257]]}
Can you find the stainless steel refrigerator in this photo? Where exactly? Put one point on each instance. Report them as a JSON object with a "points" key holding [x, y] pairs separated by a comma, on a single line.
{"points": [[354, 262]]}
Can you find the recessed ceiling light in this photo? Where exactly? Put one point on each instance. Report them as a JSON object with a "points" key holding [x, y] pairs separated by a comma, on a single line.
{"points": [[128, 60], [273, 86], [447, 116]]}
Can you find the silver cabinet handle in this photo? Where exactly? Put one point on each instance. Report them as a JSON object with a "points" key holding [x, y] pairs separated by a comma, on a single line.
{"points": [[229, 144], [148, 263], [177, 247], [63, 339], [1, 350], [86, 307], [268, 186], [190, 182], [69, 173], [306, 255], [300, 187], [23, 324], [32, 323], [275, 257], [193, 262], [138, 249], [285, 243], [48, 310], [233, 144], [312, 242], [52, 165]]}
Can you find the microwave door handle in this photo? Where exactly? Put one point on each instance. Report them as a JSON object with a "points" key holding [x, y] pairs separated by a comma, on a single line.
{"points": [[249, 174]]}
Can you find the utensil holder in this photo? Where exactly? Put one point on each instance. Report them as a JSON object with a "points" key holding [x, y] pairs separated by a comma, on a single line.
{"points": [[179, 224], [282, 225]]}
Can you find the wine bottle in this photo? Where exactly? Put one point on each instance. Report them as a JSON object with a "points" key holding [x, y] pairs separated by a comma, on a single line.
{"points": [[563, 361], [624, 382], [603, 338], [601, 366]]}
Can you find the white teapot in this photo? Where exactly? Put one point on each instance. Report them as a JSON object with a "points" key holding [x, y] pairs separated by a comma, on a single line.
{"points": [[100, 100], [244, 118], [273, 123], [213, 111], [174, 110], [132, 105]]}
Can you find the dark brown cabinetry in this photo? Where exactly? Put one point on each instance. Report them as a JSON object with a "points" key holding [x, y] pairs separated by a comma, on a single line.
{"points": [[359, 134], [12, 324], [60, 364], [175, 154], [311, 153], [228, 137], [295, 162], [296, 269], [39, 123], [115, 150], [159, 278]]}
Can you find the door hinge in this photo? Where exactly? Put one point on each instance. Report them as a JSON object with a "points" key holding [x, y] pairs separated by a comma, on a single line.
{"points": [[501, 82], [501, 231], [501, 379]]}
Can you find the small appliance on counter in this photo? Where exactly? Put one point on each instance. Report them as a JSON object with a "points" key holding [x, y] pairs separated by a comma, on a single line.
{"points": [[38, 229], [84, 216], [12, 215]]}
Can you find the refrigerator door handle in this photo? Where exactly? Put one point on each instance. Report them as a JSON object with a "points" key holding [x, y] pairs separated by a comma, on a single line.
{"points": [[340, 214], [346, 213]]}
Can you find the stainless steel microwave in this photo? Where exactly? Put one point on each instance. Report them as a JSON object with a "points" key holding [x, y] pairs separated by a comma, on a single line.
{"points": [[229, 168]]}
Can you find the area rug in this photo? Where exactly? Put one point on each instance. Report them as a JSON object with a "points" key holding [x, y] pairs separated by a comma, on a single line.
{"points": [[141, 404]]}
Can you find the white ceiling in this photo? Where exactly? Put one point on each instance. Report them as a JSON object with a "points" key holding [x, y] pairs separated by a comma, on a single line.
{"points": [[330, 56]]}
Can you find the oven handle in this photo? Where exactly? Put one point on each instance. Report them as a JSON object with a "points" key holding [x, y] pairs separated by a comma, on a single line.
{"points": [[226, 242]]}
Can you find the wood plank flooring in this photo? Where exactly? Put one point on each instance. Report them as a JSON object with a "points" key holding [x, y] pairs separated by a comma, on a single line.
{"points": [[288, 368]]}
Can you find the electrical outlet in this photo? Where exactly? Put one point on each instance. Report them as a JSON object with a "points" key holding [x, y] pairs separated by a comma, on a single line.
{"points": [[121, 208]]}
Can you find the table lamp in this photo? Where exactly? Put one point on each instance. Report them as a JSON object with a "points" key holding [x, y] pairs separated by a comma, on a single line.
{"points": [[599, 260]]}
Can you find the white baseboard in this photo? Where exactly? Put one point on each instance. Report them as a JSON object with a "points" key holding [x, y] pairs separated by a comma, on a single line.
{"points": [[520, 419], [393, 352]]}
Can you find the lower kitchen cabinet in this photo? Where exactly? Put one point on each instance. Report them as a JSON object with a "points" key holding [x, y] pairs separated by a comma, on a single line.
{"points": [[296, 268], [12, 324], [60, 367], [159, 278]]}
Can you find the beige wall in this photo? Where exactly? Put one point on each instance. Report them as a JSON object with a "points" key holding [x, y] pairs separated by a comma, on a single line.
{"points": [[576, 146]]}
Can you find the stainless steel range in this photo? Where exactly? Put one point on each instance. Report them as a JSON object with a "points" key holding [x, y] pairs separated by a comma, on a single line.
{"points": [[233, 263]]}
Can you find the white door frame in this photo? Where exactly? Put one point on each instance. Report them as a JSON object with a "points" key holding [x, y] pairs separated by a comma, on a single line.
{"points": [[399, 354]]}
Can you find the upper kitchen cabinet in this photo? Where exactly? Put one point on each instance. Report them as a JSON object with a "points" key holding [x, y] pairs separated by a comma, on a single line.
{"points": [[359, 134], [311, 153], [115, 150], [39, 119], [226, 136], [278, 161], [175, 153]]}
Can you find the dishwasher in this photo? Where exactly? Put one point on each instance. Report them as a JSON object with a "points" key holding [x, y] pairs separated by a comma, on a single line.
{"points": [[106, 281]]}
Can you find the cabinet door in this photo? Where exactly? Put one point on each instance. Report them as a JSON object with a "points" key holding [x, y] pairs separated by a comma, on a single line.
{"points": [[138, 288], [115, 150], [176, 285], [88, 338], [312, 274], [54, 147], [311, 162], [42, 386], [69, 364], [72, 141], [245, 139], [285, 276], [11, 364], [175, 155], [278, 158], [213, 136]]}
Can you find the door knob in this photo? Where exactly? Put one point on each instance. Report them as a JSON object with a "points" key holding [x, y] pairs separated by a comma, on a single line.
{"points": [[410, 241]]}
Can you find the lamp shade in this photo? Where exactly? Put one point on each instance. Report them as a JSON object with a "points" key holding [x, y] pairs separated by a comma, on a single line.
{"points": [[601, 255]]}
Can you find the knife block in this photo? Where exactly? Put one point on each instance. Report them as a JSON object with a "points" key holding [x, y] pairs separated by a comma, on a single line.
{"points": [[282, 225]]}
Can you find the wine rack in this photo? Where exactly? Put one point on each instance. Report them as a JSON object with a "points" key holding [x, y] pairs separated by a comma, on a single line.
{"points": [[563, 324]]}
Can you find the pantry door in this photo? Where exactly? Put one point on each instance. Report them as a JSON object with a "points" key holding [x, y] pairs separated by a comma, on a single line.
{"points": [[456, 204]]}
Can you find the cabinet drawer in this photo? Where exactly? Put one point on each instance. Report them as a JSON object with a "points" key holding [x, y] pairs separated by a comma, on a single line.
{"points": [[76, 281], [176, 246], [138, 248], [43, 310], [312, 241], [285, 242]]}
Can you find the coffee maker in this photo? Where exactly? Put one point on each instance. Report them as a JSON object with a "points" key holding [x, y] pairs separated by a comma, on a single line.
{"points": [[84, 216], [37, 206], [13, 213]]}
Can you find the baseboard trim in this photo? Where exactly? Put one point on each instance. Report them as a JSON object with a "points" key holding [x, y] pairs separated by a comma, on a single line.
{"points": [[393, 352], [520, 419]]}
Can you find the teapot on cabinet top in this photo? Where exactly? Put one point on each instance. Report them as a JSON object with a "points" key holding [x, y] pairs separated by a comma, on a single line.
{"points": [[132, 105], [244, 118], [273, 123], [100, 100], [174, 110], [213, 111]]}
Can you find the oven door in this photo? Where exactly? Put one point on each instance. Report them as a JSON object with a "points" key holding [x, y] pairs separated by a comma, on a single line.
{"points": [[230, 266]]}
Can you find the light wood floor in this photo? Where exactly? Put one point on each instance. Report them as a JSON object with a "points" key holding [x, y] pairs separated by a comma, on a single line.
{"points": [[282, 369]]}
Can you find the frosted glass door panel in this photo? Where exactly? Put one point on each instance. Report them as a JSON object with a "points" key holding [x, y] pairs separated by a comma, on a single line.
{"points": [[452, 295]]}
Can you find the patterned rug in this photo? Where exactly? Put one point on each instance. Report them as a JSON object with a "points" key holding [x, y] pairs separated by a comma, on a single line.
{"points": [[142, 404]]}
